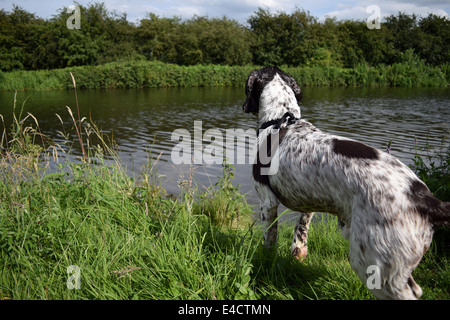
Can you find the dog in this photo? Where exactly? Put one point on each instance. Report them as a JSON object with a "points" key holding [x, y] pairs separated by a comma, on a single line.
{"points": [[385, 211]]}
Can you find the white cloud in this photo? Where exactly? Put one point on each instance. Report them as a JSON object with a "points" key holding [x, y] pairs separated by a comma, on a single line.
{"points": [[356, 10], [184, 12], [410, 8], [240, 10]]}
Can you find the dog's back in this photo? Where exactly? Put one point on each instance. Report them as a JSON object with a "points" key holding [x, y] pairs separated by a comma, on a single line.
{"points": [[327, 173]]}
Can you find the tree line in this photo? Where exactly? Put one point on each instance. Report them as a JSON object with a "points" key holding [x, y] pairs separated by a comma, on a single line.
{"points": [[28, 42]]}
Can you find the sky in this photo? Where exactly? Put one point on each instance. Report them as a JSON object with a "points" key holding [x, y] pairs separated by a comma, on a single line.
{"points": [[241, 10]]}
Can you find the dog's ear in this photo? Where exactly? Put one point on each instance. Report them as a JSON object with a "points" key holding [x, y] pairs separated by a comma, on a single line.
{"points": [[251, 103], [295, 87]]}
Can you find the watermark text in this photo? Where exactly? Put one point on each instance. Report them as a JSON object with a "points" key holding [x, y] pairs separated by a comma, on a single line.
{"points": [[74, 21], [74, 279], [373, 21]]}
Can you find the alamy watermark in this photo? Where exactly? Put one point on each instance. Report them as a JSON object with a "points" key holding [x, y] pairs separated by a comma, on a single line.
{"points": [[74, 21], [373, 277], [74, 279], [190, 148], [373, 21]]}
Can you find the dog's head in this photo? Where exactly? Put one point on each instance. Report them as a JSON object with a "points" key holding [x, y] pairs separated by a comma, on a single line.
{"points": [[256, 82]]}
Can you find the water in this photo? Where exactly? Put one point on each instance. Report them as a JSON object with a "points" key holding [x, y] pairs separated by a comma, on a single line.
{"points": [[141, 121]]}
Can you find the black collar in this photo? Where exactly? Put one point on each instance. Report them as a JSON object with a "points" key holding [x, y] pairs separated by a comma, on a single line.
{"points": [[278, 122]]}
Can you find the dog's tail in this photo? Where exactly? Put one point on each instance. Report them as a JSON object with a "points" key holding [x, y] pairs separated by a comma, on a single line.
{"points": [[440, 215], [437, 211]]}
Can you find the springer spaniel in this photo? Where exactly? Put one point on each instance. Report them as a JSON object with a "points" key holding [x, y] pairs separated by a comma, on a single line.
{"points": [[387, 213]]}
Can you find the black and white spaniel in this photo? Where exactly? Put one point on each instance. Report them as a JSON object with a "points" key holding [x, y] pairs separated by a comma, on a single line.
{"points": [[388, 214]]}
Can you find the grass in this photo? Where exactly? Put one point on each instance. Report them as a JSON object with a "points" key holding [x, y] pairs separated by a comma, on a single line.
{"points": [[433, 168], [131, 240], [137, 74]]}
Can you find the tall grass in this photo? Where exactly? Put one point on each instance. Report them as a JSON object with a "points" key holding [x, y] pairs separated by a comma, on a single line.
{"points": [[130, 240], [396, 75], [432, 166], [135, 74], [132, 74]]}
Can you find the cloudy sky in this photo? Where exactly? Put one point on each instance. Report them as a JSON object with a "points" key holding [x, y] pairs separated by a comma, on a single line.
{"points": [[240, 10]]}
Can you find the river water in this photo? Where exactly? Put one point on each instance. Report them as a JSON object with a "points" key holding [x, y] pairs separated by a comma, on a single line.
{"points": [[142, 122]]}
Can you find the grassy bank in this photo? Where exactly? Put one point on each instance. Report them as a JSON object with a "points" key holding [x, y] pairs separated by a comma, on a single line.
{"points": [[135, 74], [131, 240]]}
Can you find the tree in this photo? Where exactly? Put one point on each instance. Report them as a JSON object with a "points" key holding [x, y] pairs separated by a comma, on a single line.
{"points": [[281, 38], [14, 40], [157, 37], [29, 42], [404, 31], [434, 44], [219, 41]]}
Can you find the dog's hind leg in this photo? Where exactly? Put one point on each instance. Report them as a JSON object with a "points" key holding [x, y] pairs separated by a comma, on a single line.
{"points": [[384, 256], [268, 213], [299, 247]]}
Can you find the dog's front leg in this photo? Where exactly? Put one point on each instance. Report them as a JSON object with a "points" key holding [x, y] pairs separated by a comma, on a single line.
{"points": [[299, 244], [270, 225], [268, 213]]}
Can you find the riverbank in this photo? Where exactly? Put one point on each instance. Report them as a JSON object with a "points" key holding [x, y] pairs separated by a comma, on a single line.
{"points": [[83, 229], [90, 232], [136, 74]]}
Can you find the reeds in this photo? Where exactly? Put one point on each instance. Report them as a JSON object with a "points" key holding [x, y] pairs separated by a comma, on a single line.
{"points": [[137, 74], [77, 126]]}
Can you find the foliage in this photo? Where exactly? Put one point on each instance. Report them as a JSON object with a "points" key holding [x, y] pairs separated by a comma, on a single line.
{"points": [[137, 74], [196, 41], [281, 38], [28, 42]]}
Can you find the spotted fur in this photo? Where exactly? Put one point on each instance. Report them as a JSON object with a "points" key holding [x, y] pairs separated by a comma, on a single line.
{"points": [[387, 213]]}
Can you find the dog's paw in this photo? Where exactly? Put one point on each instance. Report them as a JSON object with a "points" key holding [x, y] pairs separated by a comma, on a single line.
{"points": [[300, 253]]}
